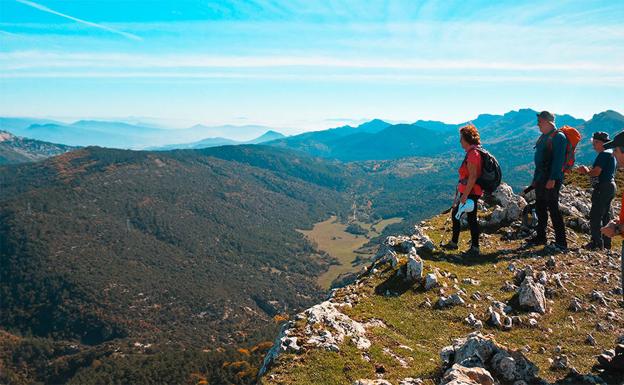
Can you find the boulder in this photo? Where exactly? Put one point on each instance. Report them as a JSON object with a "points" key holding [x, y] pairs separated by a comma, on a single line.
{"points": [[421, 240], [461, 375], [508, 206], [414, 268], [451, 301], [473, 322], [478, 351], [531, 295], [431, 281]]}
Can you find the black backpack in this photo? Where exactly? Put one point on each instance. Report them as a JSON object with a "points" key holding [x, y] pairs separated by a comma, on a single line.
{"points": [[491, 173]]}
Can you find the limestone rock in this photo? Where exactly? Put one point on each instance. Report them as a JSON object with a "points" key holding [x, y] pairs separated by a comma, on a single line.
{"points": [[431, 281], [372, 382], [478, 351], [531, 295], [494, 318], [451, 301], [411, 381], [327, 327], [473, 322], [559, 362], [575, 305], [421, 240], [508, 207], [461, 375], [414, 268]]}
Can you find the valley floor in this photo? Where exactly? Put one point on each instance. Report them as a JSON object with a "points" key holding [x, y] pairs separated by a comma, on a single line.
{"points": [[331, 237]]}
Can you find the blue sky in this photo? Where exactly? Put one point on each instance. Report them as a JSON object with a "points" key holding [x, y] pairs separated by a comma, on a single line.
{"points": [[302, 64]]}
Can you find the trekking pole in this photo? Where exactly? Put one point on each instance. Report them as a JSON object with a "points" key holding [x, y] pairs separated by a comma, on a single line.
{"points": [[445, 225]]}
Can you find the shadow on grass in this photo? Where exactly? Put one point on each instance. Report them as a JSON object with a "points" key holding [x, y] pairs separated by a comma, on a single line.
{"points": [[396, 284], [518, 252]]}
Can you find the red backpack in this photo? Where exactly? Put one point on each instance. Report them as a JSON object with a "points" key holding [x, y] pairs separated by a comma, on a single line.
{"points": [[573, 137]]}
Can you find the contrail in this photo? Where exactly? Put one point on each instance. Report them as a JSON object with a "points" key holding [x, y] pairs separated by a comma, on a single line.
{"points": [[100, 26], [8, 33]]}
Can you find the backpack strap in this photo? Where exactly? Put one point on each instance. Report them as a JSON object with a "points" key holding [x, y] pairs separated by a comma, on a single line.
{"points": [[477, 149], [550, 139]]}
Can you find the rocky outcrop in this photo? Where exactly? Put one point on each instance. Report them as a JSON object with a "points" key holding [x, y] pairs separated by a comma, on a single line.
{"points": [[482, 352], [507, 206], [326, 327]]}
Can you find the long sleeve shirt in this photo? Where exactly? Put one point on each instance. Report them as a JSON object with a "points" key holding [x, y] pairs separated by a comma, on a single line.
{"points": [[549, 157]]}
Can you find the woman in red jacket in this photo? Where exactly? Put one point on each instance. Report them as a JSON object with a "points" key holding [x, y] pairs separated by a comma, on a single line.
{"points": [[468, 189]]}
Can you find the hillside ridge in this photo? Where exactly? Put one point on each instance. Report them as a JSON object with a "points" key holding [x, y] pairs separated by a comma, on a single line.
{"points": [[417, 315]]}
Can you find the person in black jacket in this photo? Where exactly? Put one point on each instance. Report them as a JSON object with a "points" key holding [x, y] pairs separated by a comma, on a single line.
{"points": [[602, 175]]}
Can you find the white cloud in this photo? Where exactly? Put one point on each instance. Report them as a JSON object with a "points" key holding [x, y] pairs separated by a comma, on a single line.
{"points": [[609, 81], [26, 60], [85, 22]]}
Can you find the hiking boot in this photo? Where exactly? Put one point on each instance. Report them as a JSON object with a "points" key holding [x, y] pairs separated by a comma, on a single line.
{"points": [[535, 241], [472, 252], [555, 248], [449, 245]]}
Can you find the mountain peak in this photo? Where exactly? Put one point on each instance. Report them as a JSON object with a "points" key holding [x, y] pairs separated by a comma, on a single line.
{"points": [[609, 114], [267, 137], [374, 124]]}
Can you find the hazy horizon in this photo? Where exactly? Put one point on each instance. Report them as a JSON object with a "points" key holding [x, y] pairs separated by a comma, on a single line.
{"points": [[301, 66]]}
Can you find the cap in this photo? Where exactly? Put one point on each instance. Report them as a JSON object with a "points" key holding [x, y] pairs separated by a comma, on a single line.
{"points": [[467, 207], [601, 136], [546, 116], [618, 141]]}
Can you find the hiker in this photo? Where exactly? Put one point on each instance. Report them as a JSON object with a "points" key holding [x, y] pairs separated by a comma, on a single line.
{"points": [[468, 189], [616, 227], [602, 176], [550, 152]]}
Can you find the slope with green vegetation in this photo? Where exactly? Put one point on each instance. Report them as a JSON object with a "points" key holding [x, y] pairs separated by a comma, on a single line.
{"points": [[101, 248], [407, 331]]}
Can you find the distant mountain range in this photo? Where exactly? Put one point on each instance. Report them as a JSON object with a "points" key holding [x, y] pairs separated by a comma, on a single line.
{"points": [[215, 142], [14, 149], [373, 140], [377, 140], [124, 135]]}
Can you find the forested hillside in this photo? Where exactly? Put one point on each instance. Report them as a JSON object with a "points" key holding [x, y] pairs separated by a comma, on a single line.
{"points": [[103, 248]]}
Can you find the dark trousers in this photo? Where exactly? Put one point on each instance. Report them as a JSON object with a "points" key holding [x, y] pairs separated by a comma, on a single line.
{"points": [[600, 213], [547, 201], [473, 224], [622, 272]]}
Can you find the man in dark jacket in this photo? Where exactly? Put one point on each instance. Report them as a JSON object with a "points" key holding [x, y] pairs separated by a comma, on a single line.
{"points": [[549, 160], [616, 227], [602, 175]]}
